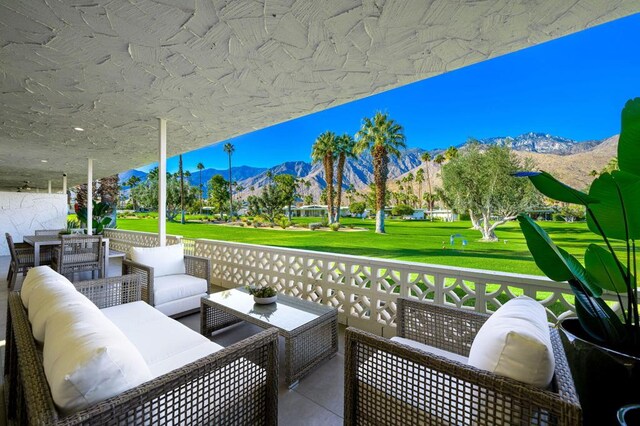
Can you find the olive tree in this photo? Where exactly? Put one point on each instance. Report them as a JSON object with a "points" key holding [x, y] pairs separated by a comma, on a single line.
{"points": [[480, 181]]}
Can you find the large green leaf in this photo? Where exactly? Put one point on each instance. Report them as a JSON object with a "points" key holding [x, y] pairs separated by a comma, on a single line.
{"points": [[553, 188], [618, 194], [604, 269], [629, 143], [597, 318], [581, 274], [544, 251], [555, 262]]}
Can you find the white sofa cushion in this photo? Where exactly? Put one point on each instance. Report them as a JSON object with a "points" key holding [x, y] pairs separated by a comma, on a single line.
{"points": [[41, 276], [48, 292], [165, 344], [174, 287], [515, 342], [167, 260], [87, 359]]}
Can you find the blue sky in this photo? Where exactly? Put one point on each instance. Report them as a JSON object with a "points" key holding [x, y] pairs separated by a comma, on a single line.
{"points": [[573, 87]]}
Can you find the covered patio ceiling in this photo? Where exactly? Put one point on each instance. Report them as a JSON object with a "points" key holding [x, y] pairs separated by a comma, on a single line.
{"points": [[217, 69]]}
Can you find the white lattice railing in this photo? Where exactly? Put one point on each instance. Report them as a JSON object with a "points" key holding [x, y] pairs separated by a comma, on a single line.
{"points": [[123, 240], [364, 290]]}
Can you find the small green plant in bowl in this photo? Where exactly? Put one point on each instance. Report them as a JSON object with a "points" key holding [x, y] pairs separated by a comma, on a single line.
{"points": [[263, 295]]}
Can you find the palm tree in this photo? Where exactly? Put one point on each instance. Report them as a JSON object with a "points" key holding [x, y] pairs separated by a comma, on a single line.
{"points": [[439, 159], [419, 180], [324, 149], [229, 149], [200, 167], [344, 150], [381, 136], [131, 183], [426, 159]]}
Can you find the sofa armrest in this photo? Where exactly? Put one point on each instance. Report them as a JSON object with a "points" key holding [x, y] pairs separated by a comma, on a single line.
{"points": [[448, 328], [198, 267], [146, 273], [194, 393], [404, 385], [106, 292]]}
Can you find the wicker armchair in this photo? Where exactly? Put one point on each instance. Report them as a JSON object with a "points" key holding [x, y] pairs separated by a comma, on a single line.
{"points": [[49, 231], [79, 253], [22, 259], [194, 266], [387, 382]]}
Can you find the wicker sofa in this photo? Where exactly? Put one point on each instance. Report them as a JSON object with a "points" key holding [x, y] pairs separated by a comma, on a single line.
{"points": [[389, 382], [195, 382]]}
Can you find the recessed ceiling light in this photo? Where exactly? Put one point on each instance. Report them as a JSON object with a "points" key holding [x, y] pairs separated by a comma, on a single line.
{"points": [[44, 161], [80, 129]]}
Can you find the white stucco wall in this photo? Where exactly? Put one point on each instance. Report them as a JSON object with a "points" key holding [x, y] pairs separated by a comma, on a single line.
{"points": [[21, 213]]}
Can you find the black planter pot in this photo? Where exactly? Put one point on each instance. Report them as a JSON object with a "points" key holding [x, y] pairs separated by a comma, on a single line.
{"points": [[605, 380]]}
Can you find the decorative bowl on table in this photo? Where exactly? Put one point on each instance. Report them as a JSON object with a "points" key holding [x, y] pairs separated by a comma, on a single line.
{"points": [[263, 295], [265, 300]]}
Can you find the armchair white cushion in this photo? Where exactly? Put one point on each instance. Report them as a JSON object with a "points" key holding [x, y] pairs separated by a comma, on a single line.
{"points": [[515, 342], [167, 260]]}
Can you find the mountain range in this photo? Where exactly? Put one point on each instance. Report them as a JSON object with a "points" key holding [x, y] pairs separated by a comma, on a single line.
{"points": [[569, 160]]}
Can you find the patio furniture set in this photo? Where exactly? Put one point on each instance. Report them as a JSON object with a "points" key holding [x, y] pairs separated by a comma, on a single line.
{"points": [[446, 366]]}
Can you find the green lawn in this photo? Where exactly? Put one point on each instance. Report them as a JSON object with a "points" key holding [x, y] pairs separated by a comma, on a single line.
{"points": [[416, 241]]}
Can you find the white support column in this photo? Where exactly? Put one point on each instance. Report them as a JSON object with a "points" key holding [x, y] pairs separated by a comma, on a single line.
{"points": [[90, 196], [162, 181], [49, 187], [64, 184]]}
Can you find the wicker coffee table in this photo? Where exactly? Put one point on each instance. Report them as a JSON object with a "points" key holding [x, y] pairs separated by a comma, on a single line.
{"points": [[310, 330]]}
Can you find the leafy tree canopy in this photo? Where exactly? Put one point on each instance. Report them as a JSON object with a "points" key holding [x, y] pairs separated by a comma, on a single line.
{"points": [[480, 181]]}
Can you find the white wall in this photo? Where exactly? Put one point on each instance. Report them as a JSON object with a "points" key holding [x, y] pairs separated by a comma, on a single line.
{"points": [[21, 213]]}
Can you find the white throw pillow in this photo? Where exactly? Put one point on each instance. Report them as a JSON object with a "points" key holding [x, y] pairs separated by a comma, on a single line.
{"points": [[167, 260], [41, 276], [87, 359], [515, 342]]}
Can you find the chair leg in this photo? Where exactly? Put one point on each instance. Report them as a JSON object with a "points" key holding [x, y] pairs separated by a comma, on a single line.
{"points": [[10, 276]]}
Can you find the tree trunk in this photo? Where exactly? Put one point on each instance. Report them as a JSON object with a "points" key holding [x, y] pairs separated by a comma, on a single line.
{"points": [[380, 222], [340, 171], [200, 192], [380, 161], [487, 230], [328, 171], [475, 222]]}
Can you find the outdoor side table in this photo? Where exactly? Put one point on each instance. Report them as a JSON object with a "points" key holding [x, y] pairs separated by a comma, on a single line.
{"points": [[310, 330]]}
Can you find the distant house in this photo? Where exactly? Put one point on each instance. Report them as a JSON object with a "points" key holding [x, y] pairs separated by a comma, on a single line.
{"points": [[315, 210], [445, 215]]}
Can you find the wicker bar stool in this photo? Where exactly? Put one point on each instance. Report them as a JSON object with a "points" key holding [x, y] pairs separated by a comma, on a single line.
{"points": [[79, 253]]}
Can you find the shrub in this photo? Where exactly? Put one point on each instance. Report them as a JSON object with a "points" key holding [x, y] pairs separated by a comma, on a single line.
{"points": [[402, 210], [315, 225], [283, 222], [464, 216], [324, 222], [335, 226], [557, 217]]}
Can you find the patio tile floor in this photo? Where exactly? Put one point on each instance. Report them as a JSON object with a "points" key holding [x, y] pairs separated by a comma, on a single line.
{"points": [[317, 400]]}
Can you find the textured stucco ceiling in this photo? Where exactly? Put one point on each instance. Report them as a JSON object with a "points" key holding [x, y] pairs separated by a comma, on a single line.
{"points": [[217, 69]]}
